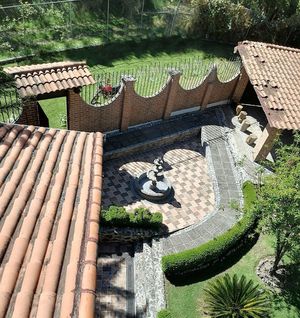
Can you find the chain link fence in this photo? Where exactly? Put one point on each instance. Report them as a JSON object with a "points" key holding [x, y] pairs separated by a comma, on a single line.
{"points": [[31, 27]]}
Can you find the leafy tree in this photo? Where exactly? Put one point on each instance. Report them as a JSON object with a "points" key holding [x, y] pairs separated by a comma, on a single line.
{"points": [[235, 297], [236, 20], [279, 201]]}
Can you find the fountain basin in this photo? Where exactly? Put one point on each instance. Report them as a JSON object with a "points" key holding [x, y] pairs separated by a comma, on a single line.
{"points": [[161, 192]]}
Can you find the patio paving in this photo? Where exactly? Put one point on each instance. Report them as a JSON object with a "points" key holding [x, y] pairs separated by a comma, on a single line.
{"points": [[188, 172], [114, 295]]}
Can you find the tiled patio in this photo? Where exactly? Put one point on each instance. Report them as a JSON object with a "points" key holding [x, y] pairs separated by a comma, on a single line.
{"points": [[186, 169], [114, 281]]}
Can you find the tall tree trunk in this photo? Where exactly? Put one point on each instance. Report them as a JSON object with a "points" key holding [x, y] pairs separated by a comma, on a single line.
{"points": [[279, 252]]}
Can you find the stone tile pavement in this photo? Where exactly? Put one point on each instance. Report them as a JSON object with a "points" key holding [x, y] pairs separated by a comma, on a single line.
{"points": [[114, 282], [187, 171], [226, 189]]}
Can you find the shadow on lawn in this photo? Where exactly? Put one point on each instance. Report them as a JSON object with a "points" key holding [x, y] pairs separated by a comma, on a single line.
{"points": [[204, 274], [290, 293], [105, 54]]}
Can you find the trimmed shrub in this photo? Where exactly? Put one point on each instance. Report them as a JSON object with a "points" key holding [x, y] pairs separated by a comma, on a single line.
{"points": [[211, 252], [115, 215], [139, 218], [164, 313]]}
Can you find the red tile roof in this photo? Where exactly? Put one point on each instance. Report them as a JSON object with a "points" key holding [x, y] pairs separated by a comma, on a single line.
{"points": [[33, 80], [274, 72], [50, 193]]}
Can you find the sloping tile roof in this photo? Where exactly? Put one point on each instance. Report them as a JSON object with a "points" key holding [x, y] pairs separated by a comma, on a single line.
{"points": [[50, 193], [33, 80], [274, 72]]}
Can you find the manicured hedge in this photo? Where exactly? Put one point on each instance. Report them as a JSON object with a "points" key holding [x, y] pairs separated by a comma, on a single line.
{"points": [[139, 218], [209, 253], [164, 313]]}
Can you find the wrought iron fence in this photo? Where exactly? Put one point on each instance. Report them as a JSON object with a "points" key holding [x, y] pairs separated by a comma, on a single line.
{"points": [[150, 79], [10, 103]]}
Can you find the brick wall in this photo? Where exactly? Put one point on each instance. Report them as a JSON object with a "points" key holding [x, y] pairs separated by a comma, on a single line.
{"points": [[129, 109], [85, 117], [30, 113]]}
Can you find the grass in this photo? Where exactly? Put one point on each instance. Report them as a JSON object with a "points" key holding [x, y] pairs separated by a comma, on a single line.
{"points": [[55, 109], [139, 58], [184, 300], [184, 296], [139, 51]]}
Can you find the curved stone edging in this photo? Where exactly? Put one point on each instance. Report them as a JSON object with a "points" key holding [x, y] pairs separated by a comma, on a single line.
{"points": [[225, 185]]}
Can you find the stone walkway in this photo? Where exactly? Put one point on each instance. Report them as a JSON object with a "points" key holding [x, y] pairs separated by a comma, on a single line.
{"points": [[225, 187], [186, 170]]}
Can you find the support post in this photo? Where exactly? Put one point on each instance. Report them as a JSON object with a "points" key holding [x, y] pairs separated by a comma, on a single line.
{"points": [[128, 93], [265, 143], [209, 87], [241, 86], [175, 77]]}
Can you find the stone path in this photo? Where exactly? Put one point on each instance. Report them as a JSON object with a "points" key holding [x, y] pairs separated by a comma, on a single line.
{"points": [[186, 170], [226, 190]]}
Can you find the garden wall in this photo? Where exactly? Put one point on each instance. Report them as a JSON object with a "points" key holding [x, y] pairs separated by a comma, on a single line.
{"points": [[129, 109]]}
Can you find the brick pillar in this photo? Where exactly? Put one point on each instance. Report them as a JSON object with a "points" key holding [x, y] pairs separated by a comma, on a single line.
{"points": [[265, 143], [174, 83], [74, 111], [30, 113], [128, 94], [212, 77], [240, 86]]}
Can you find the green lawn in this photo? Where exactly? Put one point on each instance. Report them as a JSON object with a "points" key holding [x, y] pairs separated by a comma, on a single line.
{"points": [[55, 109], [184, 298]]}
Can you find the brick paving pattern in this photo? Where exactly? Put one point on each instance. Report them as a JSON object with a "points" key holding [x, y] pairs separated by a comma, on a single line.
{"points": [[186, 170], [113, 291]]}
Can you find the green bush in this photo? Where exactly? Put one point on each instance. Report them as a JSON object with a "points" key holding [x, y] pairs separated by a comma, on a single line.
{"points": [[164, 313], [139, 218], [115, 215], [209, 253]]}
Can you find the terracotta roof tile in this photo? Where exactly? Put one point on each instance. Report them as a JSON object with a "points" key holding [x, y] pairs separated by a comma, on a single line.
{"points": [[274, 71], [39, 168], [33, 80]]}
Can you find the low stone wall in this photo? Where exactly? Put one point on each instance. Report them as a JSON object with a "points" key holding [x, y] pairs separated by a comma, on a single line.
{"points": [[128, 108], [155, 143], [127, 234]]}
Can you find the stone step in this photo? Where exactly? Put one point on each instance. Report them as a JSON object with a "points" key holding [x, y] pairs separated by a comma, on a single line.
{"points": [[149, 283]]}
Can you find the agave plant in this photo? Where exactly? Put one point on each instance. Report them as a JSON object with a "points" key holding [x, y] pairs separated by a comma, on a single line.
{"points": [[233, 297]]}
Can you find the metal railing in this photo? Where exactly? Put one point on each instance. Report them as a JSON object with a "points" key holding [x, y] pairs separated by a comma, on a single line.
{"points": [[10, 103], [151, 78]]}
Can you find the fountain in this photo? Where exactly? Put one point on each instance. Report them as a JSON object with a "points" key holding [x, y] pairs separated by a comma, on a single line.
{"points": [[153, 185]]}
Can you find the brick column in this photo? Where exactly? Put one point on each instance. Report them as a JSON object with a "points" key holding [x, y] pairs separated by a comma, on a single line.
{"points": [[265, 143], [74, 111], [174, 83], [128, 94], [212, 77], [30, 113], [240, 86]]}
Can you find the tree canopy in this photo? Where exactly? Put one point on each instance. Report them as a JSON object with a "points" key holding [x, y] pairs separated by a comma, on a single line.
{"points": [[279, 201], [236, 20]]}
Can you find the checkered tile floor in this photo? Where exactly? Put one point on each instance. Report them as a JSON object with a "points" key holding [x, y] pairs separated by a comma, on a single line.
{"points": [[187, 172]]}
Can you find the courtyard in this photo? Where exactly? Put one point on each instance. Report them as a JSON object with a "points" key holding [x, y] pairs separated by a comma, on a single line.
{"points": [[60, 255], [187, 171]]}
